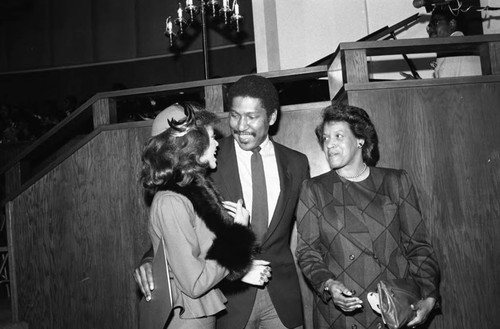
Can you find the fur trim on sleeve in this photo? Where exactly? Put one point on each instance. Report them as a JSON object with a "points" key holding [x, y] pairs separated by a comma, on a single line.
{"points": [[234, 245]]}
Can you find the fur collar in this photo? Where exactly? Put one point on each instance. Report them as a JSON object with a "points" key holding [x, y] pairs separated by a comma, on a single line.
{"points": [[234, 244]]}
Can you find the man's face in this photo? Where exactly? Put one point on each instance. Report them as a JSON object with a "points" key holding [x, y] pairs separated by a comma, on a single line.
{"points": [[439, 27], [249, 122]]}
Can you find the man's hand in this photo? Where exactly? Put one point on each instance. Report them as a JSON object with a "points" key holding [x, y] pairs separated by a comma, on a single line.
{"points": [[143, 275], [342, 297], [259, 274], [423, 308]]}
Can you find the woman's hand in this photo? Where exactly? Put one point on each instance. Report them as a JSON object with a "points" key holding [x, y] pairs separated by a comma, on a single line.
{"points": [[423, 308], [259, 274], [237, 211], [342, 297], [143, 275]]}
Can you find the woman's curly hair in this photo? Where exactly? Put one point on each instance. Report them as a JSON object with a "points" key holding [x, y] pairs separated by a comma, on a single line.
{"points": [[173, 157]]}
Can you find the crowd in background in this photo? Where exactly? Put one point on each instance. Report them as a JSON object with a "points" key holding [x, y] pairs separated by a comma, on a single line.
{"points": [[21, 124], [26, 124]]}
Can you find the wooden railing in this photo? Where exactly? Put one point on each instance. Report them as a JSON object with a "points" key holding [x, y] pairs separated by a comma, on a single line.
{"points": [[101, 110], [46, 233], [354, 55]]}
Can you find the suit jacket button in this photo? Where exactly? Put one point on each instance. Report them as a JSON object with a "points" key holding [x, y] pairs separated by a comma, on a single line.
{"points": [[352, 257], [354, 326], [375, 257]]}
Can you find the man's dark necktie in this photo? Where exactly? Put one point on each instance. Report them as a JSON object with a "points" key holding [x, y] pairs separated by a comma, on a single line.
{"points": [[259, 196]]}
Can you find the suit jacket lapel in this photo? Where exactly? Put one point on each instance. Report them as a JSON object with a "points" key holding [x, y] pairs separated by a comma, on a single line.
{"points": [[283, 199]]}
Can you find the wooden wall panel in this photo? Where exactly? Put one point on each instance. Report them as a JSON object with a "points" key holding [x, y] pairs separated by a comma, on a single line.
{"points": [[29, 37], [56, 33], [79, 235], [296, 130], [447, 137], [151, 16], [114, 29], [72, 32], [81, 230], [4, 41]]}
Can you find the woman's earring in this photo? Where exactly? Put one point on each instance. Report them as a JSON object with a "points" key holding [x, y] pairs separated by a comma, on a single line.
{"points": [[360, 145]]}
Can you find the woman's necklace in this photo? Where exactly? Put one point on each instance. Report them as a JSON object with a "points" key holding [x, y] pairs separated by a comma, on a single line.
{"points": [[361, 172]]}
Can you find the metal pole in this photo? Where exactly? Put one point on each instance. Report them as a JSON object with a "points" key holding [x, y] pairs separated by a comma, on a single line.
{"points": [[204, 37]]}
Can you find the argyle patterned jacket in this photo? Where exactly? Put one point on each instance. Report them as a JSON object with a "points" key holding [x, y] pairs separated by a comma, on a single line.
{"points": [[359, 233]]}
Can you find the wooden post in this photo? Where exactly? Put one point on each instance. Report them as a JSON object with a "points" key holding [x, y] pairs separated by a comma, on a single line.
{"points": [[12, 263], [13, 179], [355, 66], [335, 81], [494, 48], [104, 112], [214, 98]]}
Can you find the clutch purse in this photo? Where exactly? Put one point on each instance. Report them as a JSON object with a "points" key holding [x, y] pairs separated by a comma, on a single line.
{"points": [[395, 298], [154, 314]]}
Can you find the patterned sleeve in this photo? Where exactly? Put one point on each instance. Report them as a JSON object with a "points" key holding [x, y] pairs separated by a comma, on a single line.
{"points": [[309, 253], [416, 242]]}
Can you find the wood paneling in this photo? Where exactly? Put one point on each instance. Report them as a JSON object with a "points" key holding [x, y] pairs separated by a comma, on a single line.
{"points": [[151, 14], [72, 32], [29, 37], [214, 98], [79, 233], [104, 112], [57, 33], [31, 88], [296, 130], [447, 137], [356, 66], [114, 30], [80, 230], [494, 55]]}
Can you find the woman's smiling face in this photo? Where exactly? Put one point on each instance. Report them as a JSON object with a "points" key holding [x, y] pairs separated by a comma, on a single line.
{"points": [[209, 154]]}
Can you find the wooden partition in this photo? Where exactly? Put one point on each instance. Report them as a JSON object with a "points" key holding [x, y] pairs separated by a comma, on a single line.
{"points": [[77, 233], [101, 109], [76, 227], [79, 230], [445, 133]]}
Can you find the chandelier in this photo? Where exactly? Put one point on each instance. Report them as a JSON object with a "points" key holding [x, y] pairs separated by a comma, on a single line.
{"points": [[228, 13]]}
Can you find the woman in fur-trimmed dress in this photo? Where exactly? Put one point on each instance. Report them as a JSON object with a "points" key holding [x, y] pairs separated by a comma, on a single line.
{"points": [[205, 238]]}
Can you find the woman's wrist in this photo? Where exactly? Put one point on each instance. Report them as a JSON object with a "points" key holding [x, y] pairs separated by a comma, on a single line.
{"points": [[327, 284]]}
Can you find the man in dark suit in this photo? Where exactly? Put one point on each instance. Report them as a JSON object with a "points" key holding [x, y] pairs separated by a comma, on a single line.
{"points": [[254, 104], [253, 108]]}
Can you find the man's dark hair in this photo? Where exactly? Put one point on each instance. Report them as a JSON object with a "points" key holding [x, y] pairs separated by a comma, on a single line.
{"points": [[255, 86]]}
